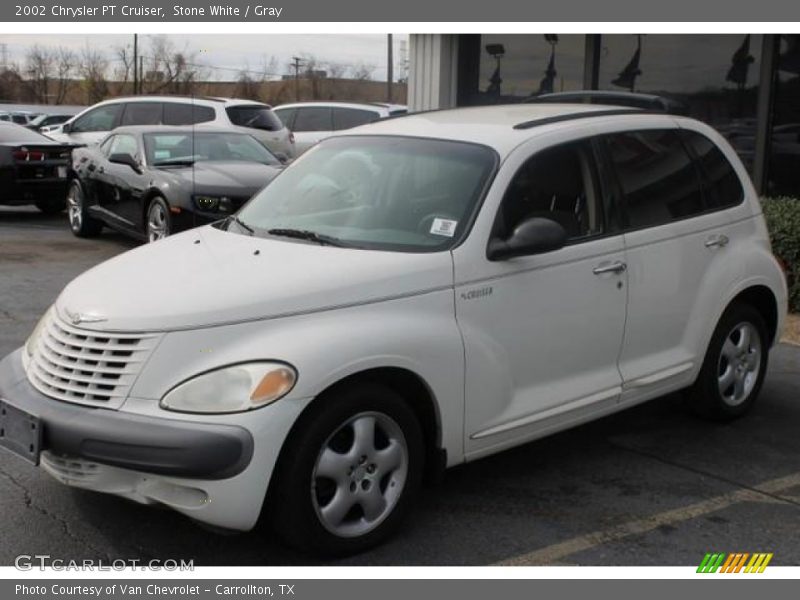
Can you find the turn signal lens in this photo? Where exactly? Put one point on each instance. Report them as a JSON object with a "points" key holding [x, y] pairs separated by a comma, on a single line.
{"points": [[274, 385]]}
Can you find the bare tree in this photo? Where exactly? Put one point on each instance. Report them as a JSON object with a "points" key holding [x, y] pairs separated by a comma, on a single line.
{"points": [[64, 60], [124, 59], [362, 72], [171, 70], [38, 73], [92, 68]]}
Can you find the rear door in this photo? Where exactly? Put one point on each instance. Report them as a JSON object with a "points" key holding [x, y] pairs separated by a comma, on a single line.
{"points": [[674, 244]]}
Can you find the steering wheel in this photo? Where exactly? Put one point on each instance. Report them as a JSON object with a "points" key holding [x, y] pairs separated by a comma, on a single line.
{"points": [[424, 224]]}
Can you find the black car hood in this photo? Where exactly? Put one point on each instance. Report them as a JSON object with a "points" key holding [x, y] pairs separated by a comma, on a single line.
{"points": [[233, 178]]}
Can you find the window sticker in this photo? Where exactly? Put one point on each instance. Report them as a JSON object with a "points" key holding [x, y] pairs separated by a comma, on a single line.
{"points": [[444, 227]]}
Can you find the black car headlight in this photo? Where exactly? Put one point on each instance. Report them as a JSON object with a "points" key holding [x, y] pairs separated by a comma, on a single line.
{"points": [[207, 203]]}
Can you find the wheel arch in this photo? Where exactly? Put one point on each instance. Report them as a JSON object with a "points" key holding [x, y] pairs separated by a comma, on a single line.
{"points": [[412, 388], [763, 299]]}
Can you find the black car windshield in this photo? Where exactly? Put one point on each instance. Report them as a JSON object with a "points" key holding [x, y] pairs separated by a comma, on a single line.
{"points": [[379, 192], [165, 148]]}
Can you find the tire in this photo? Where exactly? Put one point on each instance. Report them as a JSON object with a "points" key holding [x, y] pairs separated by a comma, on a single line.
{"points": [[80, 222], [51, 207], [734, 366], [158, 221], [323, 501]]}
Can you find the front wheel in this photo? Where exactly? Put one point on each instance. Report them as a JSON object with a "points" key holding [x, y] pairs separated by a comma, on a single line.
{"points": [[350, 472], [734, 367], [159, 222]]}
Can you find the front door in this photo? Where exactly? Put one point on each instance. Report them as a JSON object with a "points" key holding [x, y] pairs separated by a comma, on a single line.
{"points": [[542, 333]]}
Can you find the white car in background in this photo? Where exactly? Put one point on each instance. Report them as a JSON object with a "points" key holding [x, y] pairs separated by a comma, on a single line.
{"points": [[90, 126], [411, 295], [314, 121]]}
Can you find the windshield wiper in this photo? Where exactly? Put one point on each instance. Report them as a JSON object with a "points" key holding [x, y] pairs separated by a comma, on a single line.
{"points": [[306, 234]]}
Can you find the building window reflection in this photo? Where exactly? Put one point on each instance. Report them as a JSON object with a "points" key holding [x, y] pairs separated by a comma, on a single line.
{"points": [[515, 67], [713, 77], [783, 170]]}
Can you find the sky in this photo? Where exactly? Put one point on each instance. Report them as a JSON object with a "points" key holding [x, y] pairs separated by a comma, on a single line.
{"points": [[227, 54]]}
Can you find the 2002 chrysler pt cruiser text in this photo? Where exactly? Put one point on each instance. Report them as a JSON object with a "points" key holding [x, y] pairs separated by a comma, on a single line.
{"points": [[407, 296]]}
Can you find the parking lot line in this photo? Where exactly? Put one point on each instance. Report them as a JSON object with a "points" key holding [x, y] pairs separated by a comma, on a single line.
{"points": [[764, 492]]}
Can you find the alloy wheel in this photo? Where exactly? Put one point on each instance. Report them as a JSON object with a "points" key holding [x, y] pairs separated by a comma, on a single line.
{"points": [[157, 222], [75, 206], [739, 363], [360, 474]]}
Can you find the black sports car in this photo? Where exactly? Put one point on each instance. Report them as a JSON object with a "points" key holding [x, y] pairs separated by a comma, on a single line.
{"points": [[149, 181], [33, 169]]}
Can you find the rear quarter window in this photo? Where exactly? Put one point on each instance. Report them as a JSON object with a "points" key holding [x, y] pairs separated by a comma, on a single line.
{"points": [[659, 181], [142, 113], [721, 183], [255, 117]]}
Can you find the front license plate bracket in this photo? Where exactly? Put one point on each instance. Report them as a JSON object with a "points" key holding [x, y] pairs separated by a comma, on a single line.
{"points": [[20, 432]]}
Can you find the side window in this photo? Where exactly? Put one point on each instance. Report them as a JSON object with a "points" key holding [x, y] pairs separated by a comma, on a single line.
{"points": [[286, 115], [313, 119], [659, 181], [722, 185], [123, 144], [103, 118], [142, 113], [346, 118], [559, 184], [183, 113]]}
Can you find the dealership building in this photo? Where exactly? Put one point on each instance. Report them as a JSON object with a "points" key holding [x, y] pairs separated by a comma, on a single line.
{"points": [[745, 85]]}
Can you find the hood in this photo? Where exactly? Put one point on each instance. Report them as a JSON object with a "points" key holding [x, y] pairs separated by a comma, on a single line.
{"points": [[205, 277], [232, 178]]}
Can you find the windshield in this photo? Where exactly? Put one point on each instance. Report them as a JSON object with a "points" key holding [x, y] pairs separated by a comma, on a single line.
{"points": [[389, 193], [189, 147]]}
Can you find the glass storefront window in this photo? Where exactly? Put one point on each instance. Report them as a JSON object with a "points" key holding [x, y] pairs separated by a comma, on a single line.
{"points": [[783, 169], [714, 77], [515, 67]]}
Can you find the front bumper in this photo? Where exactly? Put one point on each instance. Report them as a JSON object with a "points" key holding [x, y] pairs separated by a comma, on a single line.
{"points": [[129, 441]]}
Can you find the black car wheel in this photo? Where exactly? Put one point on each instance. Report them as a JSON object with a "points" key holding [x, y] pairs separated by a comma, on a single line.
{"points": [[80, 222], [159, 222], [349, 472]]}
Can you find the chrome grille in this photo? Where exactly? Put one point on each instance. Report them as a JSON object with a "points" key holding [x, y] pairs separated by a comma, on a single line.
{"points": [[87, 367]]}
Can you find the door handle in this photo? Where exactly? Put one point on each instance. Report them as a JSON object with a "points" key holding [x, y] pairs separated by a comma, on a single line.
{"points": [[717, 241], [614, 267]]}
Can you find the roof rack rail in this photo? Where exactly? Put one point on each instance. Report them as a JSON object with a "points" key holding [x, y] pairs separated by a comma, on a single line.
{"points": [[585, 115]]}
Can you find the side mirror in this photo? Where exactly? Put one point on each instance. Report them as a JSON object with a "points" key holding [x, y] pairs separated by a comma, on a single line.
{"points": [[123, 158], [533, 236], [66, 128], [281, 157]]}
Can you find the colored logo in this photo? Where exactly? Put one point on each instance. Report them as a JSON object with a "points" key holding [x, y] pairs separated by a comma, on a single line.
{"points": [[738, 562]]}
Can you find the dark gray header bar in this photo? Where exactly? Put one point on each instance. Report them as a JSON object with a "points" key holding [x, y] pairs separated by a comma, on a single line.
{"points": [[450, 11]]}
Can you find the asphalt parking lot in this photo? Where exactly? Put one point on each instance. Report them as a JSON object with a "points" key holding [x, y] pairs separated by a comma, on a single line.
{"points": [[650, 486]]}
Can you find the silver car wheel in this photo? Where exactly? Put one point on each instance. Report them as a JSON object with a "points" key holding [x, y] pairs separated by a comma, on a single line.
{"points": [[739, 363], [157, 222], [360, 474], [75, 206]]}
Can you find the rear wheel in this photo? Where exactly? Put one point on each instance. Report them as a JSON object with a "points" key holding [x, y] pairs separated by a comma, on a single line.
{"points": [[734, 367], [159, 222], [80, 222], [349, 475]]}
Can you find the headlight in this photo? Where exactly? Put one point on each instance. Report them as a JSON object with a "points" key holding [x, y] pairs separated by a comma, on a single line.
{"points": [[33, 338], [232, 389], [213, 203]]}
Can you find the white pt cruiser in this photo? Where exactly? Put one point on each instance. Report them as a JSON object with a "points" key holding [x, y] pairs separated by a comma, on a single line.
{"points": [[407, 296]]}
